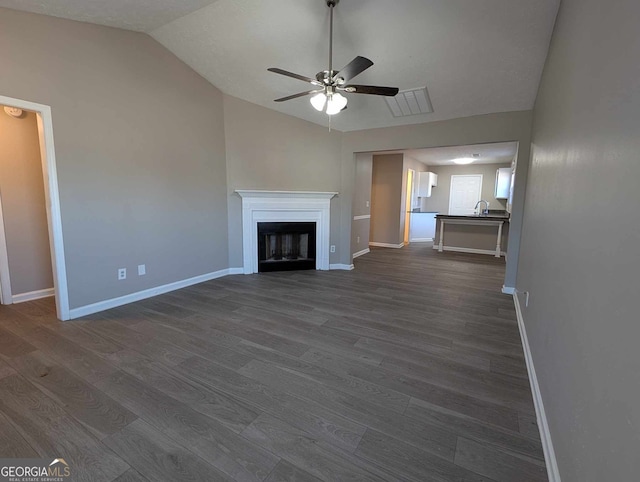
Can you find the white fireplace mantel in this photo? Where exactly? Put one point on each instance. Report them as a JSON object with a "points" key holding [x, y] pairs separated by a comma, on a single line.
{"points": [[284, 206]]}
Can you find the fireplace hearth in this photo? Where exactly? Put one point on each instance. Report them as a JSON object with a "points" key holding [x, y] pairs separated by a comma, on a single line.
{"points": [[286, 246]]}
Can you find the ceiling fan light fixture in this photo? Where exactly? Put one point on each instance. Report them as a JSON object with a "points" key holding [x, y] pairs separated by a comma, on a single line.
{"points": [[336, 103], [318, 101]]}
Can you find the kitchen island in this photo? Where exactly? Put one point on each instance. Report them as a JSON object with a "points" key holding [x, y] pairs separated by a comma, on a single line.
{"points": [[474, 233]]}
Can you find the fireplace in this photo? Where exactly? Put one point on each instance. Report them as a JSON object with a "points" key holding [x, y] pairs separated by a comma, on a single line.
{"points": [[288, 207], [286, 246]]}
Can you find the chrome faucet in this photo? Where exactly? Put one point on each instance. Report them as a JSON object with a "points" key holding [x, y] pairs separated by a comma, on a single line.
{"points": [[486, 211]]}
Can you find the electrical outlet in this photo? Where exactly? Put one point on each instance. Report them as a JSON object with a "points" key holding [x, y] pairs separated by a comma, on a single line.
{"points": [[122, 273], [142, 270], [333, 248], [358, 239], [367, 204]]}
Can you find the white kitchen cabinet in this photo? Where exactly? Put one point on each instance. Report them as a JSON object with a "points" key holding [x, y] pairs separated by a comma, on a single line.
{"points": [[426, 181], [503, 183]]}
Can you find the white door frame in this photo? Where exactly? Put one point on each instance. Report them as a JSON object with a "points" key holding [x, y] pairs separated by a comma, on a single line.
{"points": [[54, 218], [5, 280], [408, 206], [463, 175]]}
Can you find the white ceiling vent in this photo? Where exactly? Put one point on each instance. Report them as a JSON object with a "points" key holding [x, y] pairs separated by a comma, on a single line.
{"points": [[410, 102]]}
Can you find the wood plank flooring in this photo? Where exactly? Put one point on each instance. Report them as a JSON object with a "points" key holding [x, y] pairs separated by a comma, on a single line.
{"points": [[407, 368]]}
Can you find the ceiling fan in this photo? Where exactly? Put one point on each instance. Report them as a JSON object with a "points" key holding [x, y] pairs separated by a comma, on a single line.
{"points": [[329, 83]]}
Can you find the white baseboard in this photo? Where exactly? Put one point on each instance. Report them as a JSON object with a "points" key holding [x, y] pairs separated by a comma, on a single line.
{"points": [[420, 240], [360, 253], [457, 249], [386, 245], [346, 267], [545, 435], [236, 271], [142, 295], [508, 290], [32, 295]]}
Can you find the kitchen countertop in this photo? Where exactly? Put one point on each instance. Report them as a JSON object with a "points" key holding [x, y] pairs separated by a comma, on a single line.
{"points": [[475, 216]]}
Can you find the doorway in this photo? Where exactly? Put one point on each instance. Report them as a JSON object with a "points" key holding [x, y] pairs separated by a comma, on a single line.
{"points": [[52, 203], [465, 194], [408, 204]]}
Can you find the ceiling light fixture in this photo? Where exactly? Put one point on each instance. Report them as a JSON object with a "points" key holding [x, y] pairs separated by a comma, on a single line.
{"points": [[464, 160], [333, 101]]}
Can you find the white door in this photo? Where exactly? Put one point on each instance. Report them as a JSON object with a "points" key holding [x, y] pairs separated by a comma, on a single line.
{"points": [[464, 194]]}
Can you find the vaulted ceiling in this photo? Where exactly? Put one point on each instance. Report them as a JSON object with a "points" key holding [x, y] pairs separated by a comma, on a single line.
{"points": [[474, 56]]}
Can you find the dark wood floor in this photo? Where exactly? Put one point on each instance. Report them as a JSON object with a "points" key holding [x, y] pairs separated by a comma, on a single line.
{"points": [[407, 368]]}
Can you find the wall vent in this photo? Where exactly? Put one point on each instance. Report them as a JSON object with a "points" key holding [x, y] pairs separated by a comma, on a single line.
{"points": [[410, 102]]}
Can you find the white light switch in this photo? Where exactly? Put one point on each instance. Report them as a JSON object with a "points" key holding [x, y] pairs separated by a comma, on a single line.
{"points": [[142, 269]]}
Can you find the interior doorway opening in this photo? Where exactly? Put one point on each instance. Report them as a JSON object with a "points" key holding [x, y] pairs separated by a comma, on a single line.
{"points": [[381, 180], [53, 216]]}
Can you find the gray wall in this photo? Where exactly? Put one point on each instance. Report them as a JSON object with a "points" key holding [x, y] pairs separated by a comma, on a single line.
{"points": [[440, 195], [140, 152], [386, 199], [23, 204], [360, 228], [506, 126], [273, 151], [581, 240]]}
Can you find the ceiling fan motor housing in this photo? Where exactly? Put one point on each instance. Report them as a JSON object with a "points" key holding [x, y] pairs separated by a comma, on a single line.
{"points": [[328, 79]]}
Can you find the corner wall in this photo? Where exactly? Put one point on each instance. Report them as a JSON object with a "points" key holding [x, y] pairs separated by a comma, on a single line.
{"points": [[140, 152], [386, 199], [581, 238], [361, 206], [268, 150]]}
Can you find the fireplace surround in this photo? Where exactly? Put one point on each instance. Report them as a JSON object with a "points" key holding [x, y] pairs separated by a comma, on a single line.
{"points": [[284, 207]]}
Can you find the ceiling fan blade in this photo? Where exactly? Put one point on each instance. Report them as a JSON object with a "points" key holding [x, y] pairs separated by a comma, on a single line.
{"points": [[370, 89], [301, 94], [353, 68], [276, 70]]}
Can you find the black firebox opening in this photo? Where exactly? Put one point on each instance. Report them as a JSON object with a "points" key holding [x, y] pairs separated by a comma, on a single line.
{"points": [[286, 246]]}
